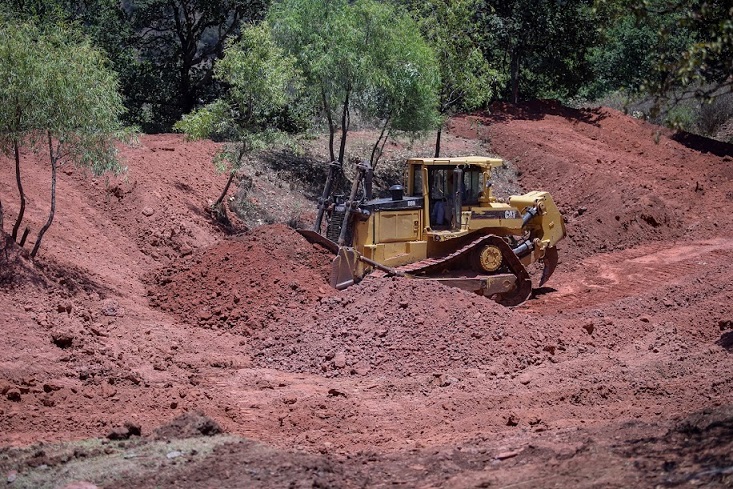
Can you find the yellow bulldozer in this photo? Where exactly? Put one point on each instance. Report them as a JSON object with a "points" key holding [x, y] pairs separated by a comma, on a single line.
{"points": [[445, 225]]}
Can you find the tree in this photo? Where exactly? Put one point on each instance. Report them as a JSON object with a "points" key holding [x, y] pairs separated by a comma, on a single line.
{"points": [[540, 46], [58, 94], [399, 91], [467, 79], [106, 23], [178, 42], [623, 60], [17, 73], [262, 80], [304, 28], [363, 55], [162, 50], [704, 63], [631, 43]]}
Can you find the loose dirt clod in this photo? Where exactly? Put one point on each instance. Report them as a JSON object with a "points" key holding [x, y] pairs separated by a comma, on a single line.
{"points": [[187, 425]]}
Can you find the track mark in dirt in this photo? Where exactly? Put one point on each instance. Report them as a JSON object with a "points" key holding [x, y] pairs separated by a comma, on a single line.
{"points": [[611, 276]]}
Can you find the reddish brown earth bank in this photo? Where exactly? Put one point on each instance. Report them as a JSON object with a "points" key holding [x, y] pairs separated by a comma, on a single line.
{"points": [[617, 373]]}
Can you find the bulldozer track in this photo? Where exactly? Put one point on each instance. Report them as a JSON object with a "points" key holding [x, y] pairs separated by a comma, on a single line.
{"points": [[423, 266], [429, 265], [434, 266]]}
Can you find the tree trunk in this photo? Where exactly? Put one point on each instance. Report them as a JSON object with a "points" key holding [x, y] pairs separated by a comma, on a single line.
{"points": [[514, 77], [376, 149], [187, 100], [241, 151], [331, 126], [186, 36], [437, 142], [217, 205], [52, 212], [24, 237], [344, 127], [20, 191]]}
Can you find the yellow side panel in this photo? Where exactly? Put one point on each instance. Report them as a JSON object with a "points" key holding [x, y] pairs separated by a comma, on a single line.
{"points": [[418, 249], [392, 237], [363, 234], [396, 254], [397, 226]]}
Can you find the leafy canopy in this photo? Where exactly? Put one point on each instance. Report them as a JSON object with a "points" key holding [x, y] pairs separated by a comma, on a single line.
{"points": [[398, 71], [364, 55], [705, 61], [451, 28], [57, 93], [54, 82], [179, 42], [262, 80], [539, 46]]}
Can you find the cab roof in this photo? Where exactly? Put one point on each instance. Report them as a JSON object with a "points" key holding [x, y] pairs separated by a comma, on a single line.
{"points": [[482, 161]]}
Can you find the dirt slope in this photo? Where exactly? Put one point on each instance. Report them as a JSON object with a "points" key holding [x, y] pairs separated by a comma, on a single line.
{"points": [[616, 374], [620, 181]]}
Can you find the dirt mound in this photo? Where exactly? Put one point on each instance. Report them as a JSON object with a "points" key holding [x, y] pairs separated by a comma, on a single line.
{"points": [[627, 339], [619, 181], [402, 327], [187, 425], [245, 282]]}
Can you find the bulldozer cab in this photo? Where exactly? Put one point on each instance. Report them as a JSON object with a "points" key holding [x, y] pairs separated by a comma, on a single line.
{"points": [[450, 186]]}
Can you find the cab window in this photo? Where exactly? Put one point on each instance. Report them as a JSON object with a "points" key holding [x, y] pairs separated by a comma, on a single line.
{"points": [[473, 180], [416, 172]]}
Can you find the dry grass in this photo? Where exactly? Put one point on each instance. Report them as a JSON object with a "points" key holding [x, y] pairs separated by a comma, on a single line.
{"points": [[283, 185], [99, 461]]}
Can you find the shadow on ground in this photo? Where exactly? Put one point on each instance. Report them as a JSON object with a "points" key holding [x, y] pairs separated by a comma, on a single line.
{"points": [[698, 450]]}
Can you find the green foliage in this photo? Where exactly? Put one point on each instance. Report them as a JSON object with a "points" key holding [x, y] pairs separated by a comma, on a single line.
{"points": [[260, 76], [179, 42], [20, 78], [53, 81], [57, 93], [262, 80], [364, 55], [671, 49], [451, 28], [628, 57], [624, 60], [162, 50], [104, 22], [539, 46], [706, 59], [681, 116], [400, 76], [211, 121]]}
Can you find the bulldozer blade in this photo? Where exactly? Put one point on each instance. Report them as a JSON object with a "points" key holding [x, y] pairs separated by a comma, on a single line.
{"points": [[343, 269], [550, 262], [314, 237]]}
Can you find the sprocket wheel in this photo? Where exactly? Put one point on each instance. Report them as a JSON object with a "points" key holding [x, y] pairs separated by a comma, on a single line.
{"points": [[487, 258]]}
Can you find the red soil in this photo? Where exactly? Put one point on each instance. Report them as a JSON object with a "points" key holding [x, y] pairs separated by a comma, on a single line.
{"points": [[617, 373], [245, 282]]}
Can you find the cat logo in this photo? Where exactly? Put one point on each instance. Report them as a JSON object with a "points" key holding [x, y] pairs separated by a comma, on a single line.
{"points": [[510, 214]]}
